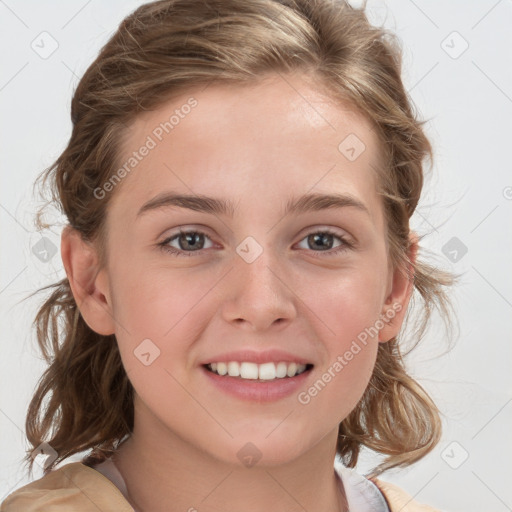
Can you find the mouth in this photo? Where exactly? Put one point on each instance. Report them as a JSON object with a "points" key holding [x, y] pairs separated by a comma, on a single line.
{"points": [[265, 372]]}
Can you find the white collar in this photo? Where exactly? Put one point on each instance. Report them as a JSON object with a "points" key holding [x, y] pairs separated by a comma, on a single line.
{"points": [[362, 494]]}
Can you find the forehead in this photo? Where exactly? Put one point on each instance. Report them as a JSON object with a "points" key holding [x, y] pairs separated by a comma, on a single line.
{"points": [[279, 136]]}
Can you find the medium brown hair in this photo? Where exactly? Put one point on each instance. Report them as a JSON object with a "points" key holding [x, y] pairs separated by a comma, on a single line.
{"points": [[84, 400]]}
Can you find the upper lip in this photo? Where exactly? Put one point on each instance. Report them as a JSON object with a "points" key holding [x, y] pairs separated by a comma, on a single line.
{"points": [[259, 357]]}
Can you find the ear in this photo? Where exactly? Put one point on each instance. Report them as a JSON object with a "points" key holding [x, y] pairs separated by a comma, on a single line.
{"points": [[399, 294], [89, 283]]}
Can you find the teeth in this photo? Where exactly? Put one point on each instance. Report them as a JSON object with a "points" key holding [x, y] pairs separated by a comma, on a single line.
{"points": [[233, 369], [267, 371], [222, 368], [248, 371], [292, 369], [281, 370], [253, 371]]}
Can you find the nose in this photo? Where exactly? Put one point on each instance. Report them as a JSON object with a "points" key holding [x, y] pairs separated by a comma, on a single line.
{"points": [[259, 295]]}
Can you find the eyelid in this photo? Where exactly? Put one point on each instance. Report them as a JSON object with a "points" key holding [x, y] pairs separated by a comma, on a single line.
{"points": [[347, 242], [201, 229], [324, 228], [186, 230]]}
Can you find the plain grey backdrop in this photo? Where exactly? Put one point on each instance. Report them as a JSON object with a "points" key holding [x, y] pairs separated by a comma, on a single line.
{"points": [[457, 68]]}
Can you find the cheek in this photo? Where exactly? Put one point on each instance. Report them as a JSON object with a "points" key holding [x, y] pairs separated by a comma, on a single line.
{"points": [[340, 384], [157, 303], [341, 379], [347, 302], [153, 328], [157, 316], [349, 308]]}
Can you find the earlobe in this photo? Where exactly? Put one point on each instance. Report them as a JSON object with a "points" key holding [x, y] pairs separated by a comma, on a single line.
{"points": [[88, 282], [397, 301]]}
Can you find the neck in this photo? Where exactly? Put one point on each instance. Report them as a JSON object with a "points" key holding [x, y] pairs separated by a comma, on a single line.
{"points": [[163, 472]]}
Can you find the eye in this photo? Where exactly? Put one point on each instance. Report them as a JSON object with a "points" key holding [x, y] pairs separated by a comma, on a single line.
{"points": [[324, 240], [188, 243]]}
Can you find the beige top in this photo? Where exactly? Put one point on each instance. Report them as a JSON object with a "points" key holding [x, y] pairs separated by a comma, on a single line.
{"points": [[76, 487]]}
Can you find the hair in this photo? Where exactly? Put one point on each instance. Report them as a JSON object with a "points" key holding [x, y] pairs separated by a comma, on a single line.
{"points": [[84, 399]]}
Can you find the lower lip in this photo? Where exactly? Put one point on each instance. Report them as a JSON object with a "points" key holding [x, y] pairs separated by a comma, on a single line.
{"points": [[257, 391]]}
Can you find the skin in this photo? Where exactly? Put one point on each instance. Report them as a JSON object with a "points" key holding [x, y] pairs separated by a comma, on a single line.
{"points": [[258, 146]]}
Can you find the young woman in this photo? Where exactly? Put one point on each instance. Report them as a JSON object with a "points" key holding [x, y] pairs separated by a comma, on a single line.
{"points": [[238, 186]]}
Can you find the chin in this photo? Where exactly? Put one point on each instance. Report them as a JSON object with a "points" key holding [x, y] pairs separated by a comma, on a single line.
{"points": [[263, 450]]}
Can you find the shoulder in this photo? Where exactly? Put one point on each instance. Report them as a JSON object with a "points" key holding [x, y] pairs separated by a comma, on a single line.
{"points": [[399, 500], [73, 486]]}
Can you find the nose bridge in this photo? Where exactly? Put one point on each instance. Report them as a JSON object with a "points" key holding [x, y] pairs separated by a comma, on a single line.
{"points": [[259, 295]]}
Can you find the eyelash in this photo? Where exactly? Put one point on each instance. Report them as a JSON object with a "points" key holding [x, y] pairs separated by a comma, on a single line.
{"points": [[346, 245]]}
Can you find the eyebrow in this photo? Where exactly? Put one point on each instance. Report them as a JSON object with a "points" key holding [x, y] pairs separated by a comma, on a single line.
{"points": [[214, 206]]}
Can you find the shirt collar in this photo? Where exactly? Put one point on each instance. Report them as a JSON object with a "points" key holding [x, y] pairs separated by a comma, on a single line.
{"points": [[362, 494]]}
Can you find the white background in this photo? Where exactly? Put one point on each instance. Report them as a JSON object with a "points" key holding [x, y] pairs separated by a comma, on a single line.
{"points": [[467, 101]]}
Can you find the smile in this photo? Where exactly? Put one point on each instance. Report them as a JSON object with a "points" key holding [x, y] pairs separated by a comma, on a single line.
{"points": [[254, 371]]}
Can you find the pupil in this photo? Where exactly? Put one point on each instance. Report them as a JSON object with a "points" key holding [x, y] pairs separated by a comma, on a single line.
{"points": [[319, 237], [187, 238]]}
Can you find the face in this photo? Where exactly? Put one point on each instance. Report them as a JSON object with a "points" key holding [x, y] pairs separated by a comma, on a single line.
{"points": [[248, 283]]}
